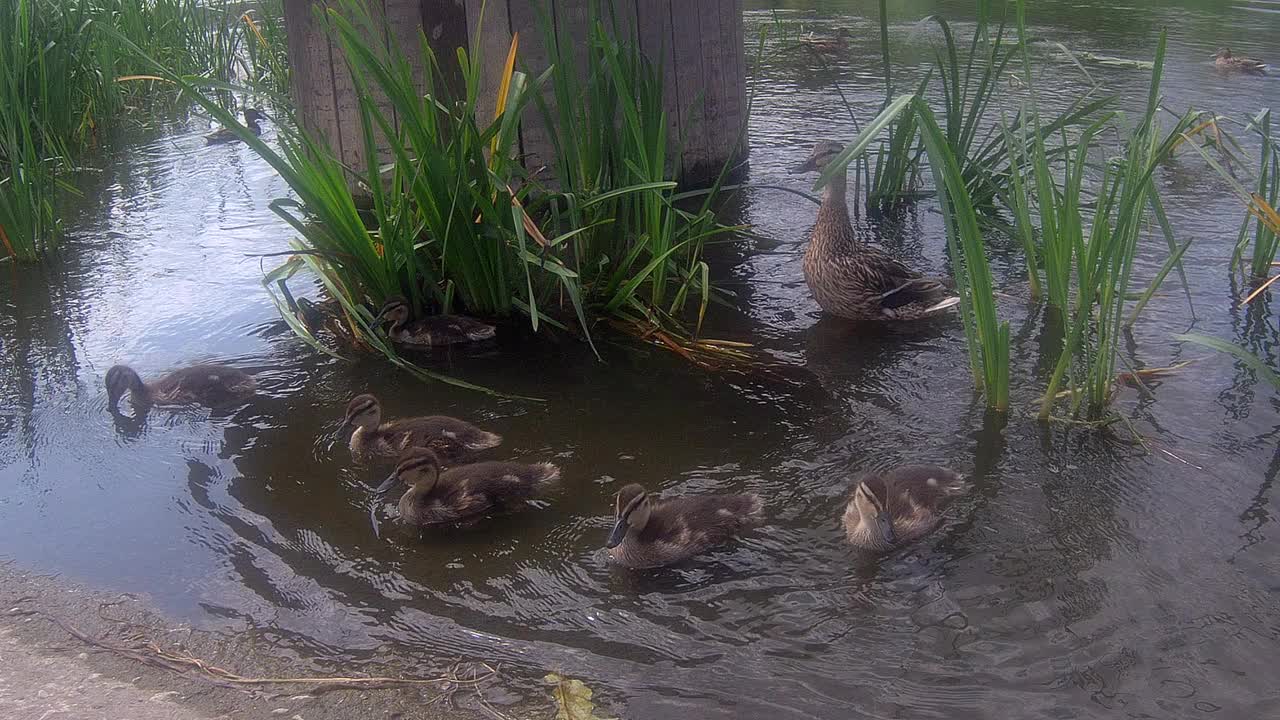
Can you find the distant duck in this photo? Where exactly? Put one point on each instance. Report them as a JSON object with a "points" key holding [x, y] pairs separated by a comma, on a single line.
{"points": [[1225, 59], [226, 135], [465, 494], [433, 330], [836, 43], [896, 507], [650, 532], [211, 385], [451, 439], [852, 280]]}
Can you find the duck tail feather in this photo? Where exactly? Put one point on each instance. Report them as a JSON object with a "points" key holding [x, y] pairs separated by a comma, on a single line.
{"points": [[944, 304]]}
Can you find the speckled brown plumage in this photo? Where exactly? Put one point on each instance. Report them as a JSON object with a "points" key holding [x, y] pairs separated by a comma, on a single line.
{"points": [[913, 496], [466, 494], [433, 330], [452, 439], [852, 280], [1230, 61], [681, 527], [211, 385]]}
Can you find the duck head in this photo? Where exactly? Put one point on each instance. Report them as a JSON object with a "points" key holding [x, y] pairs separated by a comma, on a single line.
{"points": [[120, 380], [395, 310], [418, 467], [1223, 54], [631, 511], [823, 153], [364, 411], [253, 115], [873, 511]]}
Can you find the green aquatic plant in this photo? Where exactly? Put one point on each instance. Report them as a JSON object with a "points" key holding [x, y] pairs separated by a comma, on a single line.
{"points": [[1251, 361], [637, 251], [68, 70], [1262, 215], [1102, 256]]}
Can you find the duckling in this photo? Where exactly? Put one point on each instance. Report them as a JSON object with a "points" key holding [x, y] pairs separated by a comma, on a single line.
{"points": [[211, 385], [451, 438], [463, 495], [432, 331], [650, 532], [1225, 59], [226, 135], [848, 278], [898, 506]]}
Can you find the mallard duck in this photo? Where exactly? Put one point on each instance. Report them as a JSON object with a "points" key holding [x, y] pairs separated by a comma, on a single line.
{"points": [[465, 494], [836, 43], [431, 331], [1225, 59], [649, 532], [212, 385], [451, 438], [898, 506], [852, 280], [226, 135]]}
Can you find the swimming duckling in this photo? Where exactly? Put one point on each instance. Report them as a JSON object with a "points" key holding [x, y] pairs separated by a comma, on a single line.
{"points": [[226, 135], [450, 438], [211, 385], [431, 331], [462, 495], [853, 280], [1225, 59], [898, 506], [650, 532]]}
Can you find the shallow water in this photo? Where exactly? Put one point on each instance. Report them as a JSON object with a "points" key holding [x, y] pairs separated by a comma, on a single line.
{"points": [[1083, 575]]}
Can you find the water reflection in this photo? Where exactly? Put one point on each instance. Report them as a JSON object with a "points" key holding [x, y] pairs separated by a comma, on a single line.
{"points": [[1082, 573]]}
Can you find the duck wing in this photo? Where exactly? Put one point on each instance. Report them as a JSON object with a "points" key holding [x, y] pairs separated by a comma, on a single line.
{"points": [[450, 437], [912, 488], [893, 284], [208, 384]]}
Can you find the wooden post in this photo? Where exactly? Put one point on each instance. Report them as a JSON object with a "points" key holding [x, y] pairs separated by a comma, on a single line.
{"points": [[698, 44]]}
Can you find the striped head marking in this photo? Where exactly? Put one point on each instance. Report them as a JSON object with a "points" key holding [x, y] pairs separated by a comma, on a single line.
{"points": [[418, 466], [395, 310], [873, 511], [631, 511], [824, 151], [363, 411]]}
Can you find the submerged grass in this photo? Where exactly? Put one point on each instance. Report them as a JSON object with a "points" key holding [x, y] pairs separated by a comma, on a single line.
{"points": [[65, 75]]}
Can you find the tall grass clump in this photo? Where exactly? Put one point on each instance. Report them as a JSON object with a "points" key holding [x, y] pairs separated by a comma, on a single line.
{"points": [[638, 254], [65, 75], [1102, 250], [969, 77], [1266, 196]]}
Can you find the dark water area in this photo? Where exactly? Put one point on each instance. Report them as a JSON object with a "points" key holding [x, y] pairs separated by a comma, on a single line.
{"points": [[1084, 574]]}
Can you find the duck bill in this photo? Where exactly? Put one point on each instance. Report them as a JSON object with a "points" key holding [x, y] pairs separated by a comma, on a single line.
{"points": [[618, 535], [804, 167], [885, 527], [387, 484]]}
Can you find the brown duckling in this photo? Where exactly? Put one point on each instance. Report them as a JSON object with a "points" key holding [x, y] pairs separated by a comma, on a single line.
{"points": [[466, 494], [225, 135], [896, 507], [853, 280], [431, 331], [1224, 58], [650, 532], [451, 438], [211, 385]]}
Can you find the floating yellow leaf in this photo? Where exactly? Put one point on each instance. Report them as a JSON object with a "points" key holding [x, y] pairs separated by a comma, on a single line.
{"points": [[573, 698]]}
